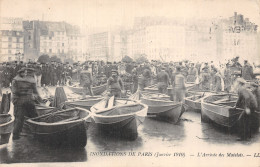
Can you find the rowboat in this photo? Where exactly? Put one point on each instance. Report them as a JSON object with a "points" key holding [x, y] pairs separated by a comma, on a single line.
{"points": [[6, 127], [97, 90], [85, 103], [62, 128], [220, 109], [163, 109], [42, 109], [193, 102], [154, 88], [121, 119]]}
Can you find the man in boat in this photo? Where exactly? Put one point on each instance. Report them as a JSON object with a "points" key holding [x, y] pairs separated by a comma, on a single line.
{"points": [[205, 79], [115, 84], [178, 84], [144, 80], [216, 80], [134, 79], [247, 71], [256, 92], [86, 81], [24, 91], [192, 73], [227, 78], [163, 81], [247, 101]]}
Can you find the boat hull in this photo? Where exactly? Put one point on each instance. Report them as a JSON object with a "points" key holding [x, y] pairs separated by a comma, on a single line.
{"points": [[42, 110], [164, 110], [124, 125], [194, 105], [87, 104], [223, 115], [98, 90], [6, 127], [65, 134]]}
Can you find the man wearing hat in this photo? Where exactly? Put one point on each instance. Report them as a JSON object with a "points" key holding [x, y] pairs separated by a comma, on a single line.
{"points": [[205, 79], [134, 79], [247, 101], [247, 71], [145, 79], [115, 84], [192, 73], [163, 81], [227, 78], [86, 81], [23, 89], [178, 85]]}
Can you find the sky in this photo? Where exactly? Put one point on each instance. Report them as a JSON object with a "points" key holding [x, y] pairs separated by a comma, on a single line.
{"points": [[109, 13]]}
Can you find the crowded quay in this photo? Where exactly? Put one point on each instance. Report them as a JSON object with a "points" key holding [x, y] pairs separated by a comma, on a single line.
{"points": [[97, 111]]}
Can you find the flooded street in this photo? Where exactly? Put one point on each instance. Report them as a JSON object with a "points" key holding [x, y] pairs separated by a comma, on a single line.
{"points": [[188, 138]]}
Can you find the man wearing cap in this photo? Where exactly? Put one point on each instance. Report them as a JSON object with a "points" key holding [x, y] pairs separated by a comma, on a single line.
{"points": [[247, 101], [178, 85], [115, 84], [192, 73], [247, 71], [23, 89], [256, 92], [205, 79], [227, 78], [86, 81], [163, 81], [134, 79], [216, 80], [144, 80]]}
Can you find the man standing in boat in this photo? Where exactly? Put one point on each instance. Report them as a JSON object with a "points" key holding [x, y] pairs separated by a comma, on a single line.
{"points": [[216, 80], [227, 78], [86, 81], [192, 73], [247, 101], [205, 79], [115, 84], [23, 89], [163, 81], [178, 84], [144, 80]]}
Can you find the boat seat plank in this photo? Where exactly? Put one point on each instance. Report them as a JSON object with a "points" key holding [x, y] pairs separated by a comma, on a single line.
{"points": [[69, 119]]}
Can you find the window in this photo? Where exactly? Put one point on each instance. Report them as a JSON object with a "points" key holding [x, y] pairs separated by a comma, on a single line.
{"points": [[50, 43], [9, 51], [29, 37], [17, 40], [50, 50], [50, 38], [9, 45], [18, 45], [62, 50], [58, 50], [62, 44], [9, 38]]}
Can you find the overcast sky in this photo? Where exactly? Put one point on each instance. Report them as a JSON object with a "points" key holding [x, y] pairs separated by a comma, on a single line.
{"points": [[106, 13]]}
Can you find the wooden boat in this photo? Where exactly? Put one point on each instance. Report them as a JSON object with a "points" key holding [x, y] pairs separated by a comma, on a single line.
{"points": [[6, 127], [219, 109], [154, 89], [163, 108], [193, 102], [121, 119], [63, 128], [97, 90], [6, 120], [42, 109], [85, 103]]}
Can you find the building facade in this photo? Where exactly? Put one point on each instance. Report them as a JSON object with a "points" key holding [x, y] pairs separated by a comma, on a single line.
{"points": [[11, 39]]}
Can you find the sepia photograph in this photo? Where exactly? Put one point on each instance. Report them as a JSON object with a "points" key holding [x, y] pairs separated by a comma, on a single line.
{"points": [[130, 83]]}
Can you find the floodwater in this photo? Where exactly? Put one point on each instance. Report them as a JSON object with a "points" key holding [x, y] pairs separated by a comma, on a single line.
{"points": [[189, 138]]}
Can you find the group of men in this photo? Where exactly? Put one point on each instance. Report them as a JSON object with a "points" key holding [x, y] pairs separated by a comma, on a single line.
{"points": [[25, 77]]}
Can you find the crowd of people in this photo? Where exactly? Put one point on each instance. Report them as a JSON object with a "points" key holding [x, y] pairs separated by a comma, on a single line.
{"points": [[24, 78]]}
